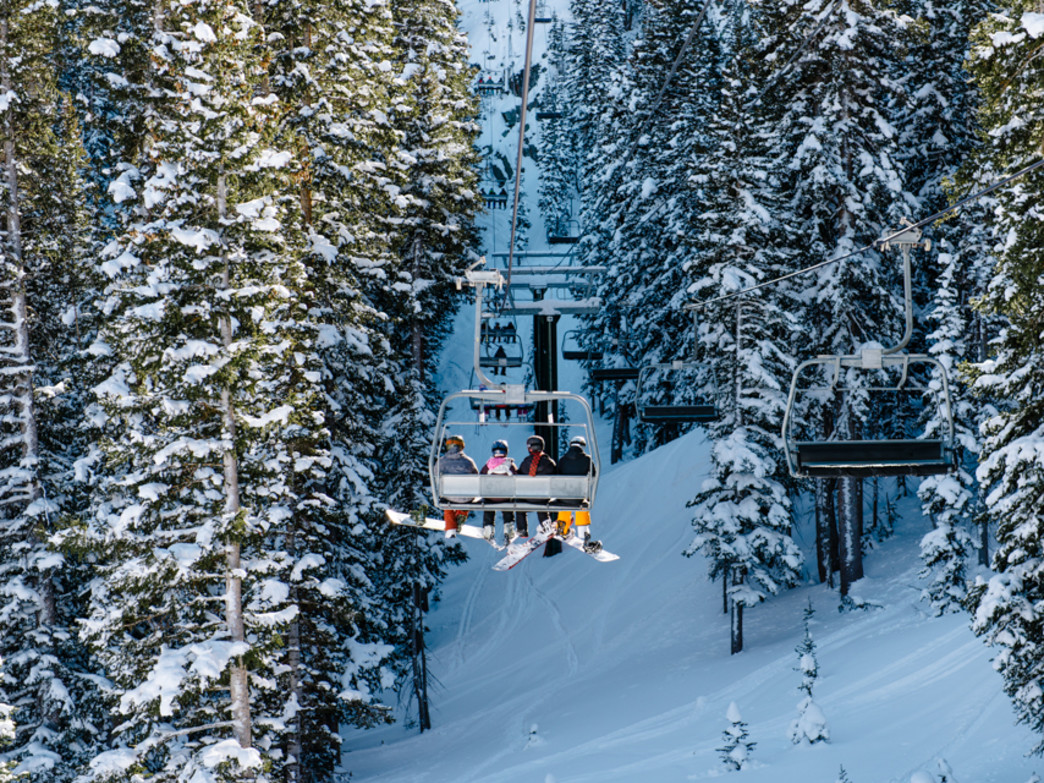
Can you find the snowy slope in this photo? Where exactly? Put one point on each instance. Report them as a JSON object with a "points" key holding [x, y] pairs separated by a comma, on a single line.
{"points": [[567, 670]]}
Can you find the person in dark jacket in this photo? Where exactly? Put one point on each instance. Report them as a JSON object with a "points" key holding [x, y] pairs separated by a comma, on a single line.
{"points": [[537, 463], [499, 464], [577, 462], [455, 462]]}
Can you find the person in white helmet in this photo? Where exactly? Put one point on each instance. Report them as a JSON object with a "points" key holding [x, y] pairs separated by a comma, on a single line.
{"points": [[499, 464]]}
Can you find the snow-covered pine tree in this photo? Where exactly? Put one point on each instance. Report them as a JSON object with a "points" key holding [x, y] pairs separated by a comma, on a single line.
{"points": [[743, 514], [810, 726], [1005, 63], [644, 202], [559, 167], [937, 132], [327, 66], [736, 751], [43, 247], [833, 103], [596, 101], [212, 493], [432, 174]]}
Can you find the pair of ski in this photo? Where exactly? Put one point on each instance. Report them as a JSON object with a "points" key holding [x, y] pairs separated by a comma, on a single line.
{"points": [[517, 550]]}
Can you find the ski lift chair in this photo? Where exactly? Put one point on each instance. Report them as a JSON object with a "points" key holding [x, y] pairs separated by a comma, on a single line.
{"points": [[503, 352], [571, 237], [517, 493], [885, 457], [862, 458], [572, 350], [699, 412]]}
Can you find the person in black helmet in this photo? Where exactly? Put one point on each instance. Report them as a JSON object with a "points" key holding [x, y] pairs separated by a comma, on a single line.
{"points": [[499, 464], [537, 463], [577, 462]]}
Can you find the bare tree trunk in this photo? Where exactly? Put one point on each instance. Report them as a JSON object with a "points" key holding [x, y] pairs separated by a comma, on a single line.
{"points": [[849, 534], [736, 621], [238, 675], [827, 548], [293, 772], [420, 663], [21, 353], [417, 336]]}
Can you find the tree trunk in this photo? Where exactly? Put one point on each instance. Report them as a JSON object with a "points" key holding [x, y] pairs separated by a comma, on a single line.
{"points": [[21, 354], [849, 533], [420, 663], [293, 660], [736, 621], [826, 530], [238, 676]]}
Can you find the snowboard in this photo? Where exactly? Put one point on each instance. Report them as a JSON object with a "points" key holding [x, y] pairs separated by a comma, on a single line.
{"points": [[430, 523], [601, 555], [520, 549]]}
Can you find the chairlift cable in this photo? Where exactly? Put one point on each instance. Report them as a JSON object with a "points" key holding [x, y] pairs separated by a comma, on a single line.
{"points": [[663, 92], [793, 57], [521, 138], [877, 242]]}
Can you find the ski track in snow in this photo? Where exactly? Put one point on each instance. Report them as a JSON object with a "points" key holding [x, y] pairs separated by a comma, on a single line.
{"points": [[564, 637]]}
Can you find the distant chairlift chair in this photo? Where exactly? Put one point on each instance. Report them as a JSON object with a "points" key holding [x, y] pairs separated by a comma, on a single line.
{"points": [[572, 350], [699, 412]]}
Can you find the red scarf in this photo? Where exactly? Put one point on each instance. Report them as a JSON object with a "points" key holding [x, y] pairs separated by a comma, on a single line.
{"points": [[533, 464]]}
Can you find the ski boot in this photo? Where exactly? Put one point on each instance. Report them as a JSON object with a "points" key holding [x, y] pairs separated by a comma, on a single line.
{"points": [[509, 533], [488, 532], [592, 547]]}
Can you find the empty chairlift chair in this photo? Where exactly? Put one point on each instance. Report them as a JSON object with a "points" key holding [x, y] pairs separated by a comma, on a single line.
{"points": [[699, 412], [573, 351], [887, 372]]}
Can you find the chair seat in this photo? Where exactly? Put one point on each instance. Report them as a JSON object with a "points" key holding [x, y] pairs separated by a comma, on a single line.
{"points": [[670, 414], [859, 458], [615, 374]]}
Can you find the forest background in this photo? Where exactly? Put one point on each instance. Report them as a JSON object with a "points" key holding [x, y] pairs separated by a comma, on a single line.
{"points": [[230, 234]]}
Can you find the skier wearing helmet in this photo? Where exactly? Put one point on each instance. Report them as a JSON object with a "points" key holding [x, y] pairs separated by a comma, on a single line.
{"points": [[537, 463], [455, 462], [577, 462], [499, 464]]}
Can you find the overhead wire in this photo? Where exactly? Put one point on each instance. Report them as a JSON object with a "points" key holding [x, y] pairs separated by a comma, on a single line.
{"points": [[876, 243]]}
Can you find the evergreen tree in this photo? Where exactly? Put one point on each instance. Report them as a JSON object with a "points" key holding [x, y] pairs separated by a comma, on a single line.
{"points": [[937, 122], [810, 726], [834, 107], [212, 494], [743, 513], [735, 753], [433, 239], [327, 65], [1010, 77], [46, 329]]}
